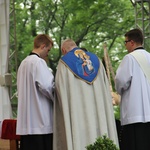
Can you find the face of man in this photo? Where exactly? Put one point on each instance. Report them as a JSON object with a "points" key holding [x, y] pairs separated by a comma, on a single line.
{"points": [[128, 44], [45, 50]]}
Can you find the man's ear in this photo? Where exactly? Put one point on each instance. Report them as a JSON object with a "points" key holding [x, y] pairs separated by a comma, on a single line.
{"points": [[132, 42], [63, 51], [43, 46]]}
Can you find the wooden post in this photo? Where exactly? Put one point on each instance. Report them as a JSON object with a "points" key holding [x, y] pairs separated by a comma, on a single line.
{"points": [[107, 66], [13, 145], [109, 70]]}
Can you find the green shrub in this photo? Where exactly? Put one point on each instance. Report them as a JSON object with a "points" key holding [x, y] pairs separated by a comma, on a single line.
{"points": [[102, 143]]}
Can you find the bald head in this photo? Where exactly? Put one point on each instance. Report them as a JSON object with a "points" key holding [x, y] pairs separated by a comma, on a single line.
{"points": [[67, 45]]}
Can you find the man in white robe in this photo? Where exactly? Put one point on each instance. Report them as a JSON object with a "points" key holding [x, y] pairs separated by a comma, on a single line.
{"points": [[134, 87], [83, 108], [35, 84]]}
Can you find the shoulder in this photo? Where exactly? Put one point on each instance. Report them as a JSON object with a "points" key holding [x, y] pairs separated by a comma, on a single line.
{"points": [[128, 57], [33, 61]]}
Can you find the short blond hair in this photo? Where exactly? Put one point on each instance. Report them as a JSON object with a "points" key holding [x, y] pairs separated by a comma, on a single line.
{"points": [[42, 39], [68, 44]]}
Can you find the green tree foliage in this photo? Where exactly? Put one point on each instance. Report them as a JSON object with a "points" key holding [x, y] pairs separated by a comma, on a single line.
{"points": [[90, 23]]}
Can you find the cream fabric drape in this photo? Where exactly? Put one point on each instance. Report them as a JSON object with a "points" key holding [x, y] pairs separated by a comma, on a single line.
{"points": [[80, 118], [5, 106]]}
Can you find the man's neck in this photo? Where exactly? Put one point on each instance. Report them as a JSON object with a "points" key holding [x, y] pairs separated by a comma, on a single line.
{"points": [[36, 51]]}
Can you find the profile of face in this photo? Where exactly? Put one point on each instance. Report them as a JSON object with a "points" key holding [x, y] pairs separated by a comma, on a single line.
{"points": [[128, 44], [45, 50]]}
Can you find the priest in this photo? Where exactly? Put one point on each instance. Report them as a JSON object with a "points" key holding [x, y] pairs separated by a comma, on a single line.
{"points": [[83, 108]]}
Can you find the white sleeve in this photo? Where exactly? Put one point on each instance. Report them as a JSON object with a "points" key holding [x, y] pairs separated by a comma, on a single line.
{"points": [[124, 74], [44, 80]]}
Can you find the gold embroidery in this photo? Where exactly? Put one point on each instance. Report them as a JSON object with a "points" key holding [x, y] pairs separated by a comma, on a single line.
{"points": [[86, 59]]}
